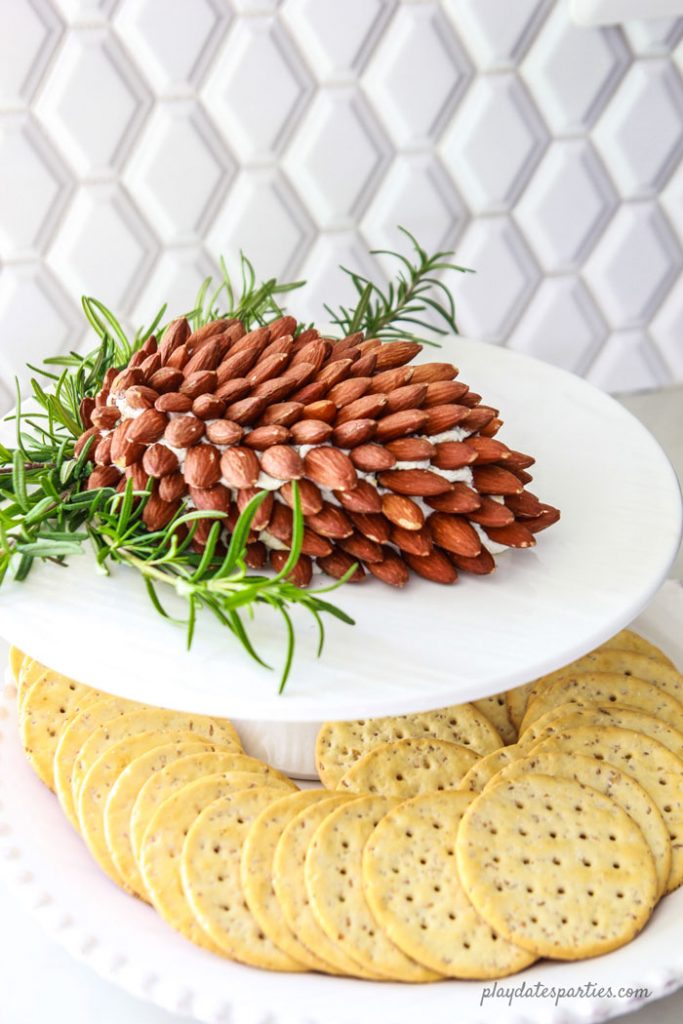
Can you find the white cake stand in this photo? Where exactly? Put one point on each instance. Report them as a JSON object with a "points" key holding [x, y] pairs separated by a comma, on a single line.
{"points": [[426, 646]]}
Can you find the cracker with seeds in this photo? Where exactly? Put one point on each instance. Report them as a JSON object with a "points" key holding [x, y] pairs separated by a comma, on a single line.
{"points": [[411, 883], [556, 867], [408, 767], [565, 716], [340, 744], [495, 709], [486, 768], [606, 688], [333, 879], [210, 871], [16, 660], [48, 707], [650, 763], [614, 783], [516, 701]]}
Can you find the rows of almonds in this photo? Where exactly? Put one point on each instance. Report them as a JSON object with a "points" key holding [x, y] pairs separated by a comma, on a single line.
{"points": [[397, 465]]}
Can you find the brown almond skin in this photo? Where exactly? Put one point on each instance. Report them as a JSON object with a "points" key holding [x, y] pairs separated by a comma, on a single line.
{"points": [[151, 364], [178, 358], [246, 410], [206, 358], [282, 462], [273, 390], [354, 432], [261, 438], [332, 373], [492, 513], [453, 455], [175, 335], [389, 380], [85, 411], [127, 378], [233, 390], [281, 414], [496, 480], [491, 428], [158, 513], [524, 505], [93, 432], [283, 325], [184, 431], [487, 450], [362, 548], [173, 401], [362, 498], [415, 542], [309, 495], [311, 432], [399, 424], [516, 535], [166, 379], [444, 392], [435, 567], [148, 427], [312, 392], [307, 336], [208, 407], [371, 458], [470, 398], [478, 418], [105, 418], [374, 525], [103, 476], [240, 467], [302, 572], [454, 534], [350, 341], [125, 452], [256, 339], [368, 407], [159, 461], [281, 527], [364, 366], [335, 356], [418, 483], [410, 396], [256, 555], [391, 570], [461, 499], [481, 565], [263, 512], [338, 563], [202, 466], [205, 332], [101, 453], [401, 511], [199, 383], [137, 473], [443, 417], [141, 397], [396, 353], [411, 449], [299, 375], [237, 364], [547, 518], [315, 353], [270, 366], [427, 373], [330, 522], [349, 390], [224, 432], [172, 487], [518, 460], [330, 467], [211, 499], [322, 410]]}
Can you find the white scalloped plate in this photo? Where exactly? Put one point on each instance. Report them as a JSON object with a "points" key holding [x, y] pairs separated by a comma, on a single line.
{"points": [[427, 646], [129, 945]]}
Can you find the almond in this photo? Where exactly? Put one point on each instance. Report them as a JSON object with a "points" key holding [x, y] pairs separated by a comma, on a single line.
{"points": [[91, 432], [495, 480], [362, 498], [158, 513], [410, 449], [178, 358], [390, 380], [415, 542], [280, 526], [348, 354], [524, 505], [105, 418], [492, 513], [402, 511], [315, 353], [233, 390], [523, 477], [270, 366], [481, 565], [202, 466], [338, 563], [396, 353], [246, 410], [370, 344], [309, 496], [454, 534], [444, 392], [264, 511], [256, 339], [478, 418], [400, 424], [374, 525], [159, 461], [370, 458], [418, 483], [141, 397], [103, 476], [518, 460], [349, 390], [199, 383], [302, 572], [453, 455], [240, 467], [516, 535], [208, 407], [487, 450], [392, 569], [261, 438], [284, 345], [206, 358], [322, 410], [237, 364], [354, 432], [101, 453], [410, 396], [166, 379], [282, 462], [204, 333], [435, 567], [256, 554], [364, 366], [548, 516], [282, 414], [273, 390], [350, 341], [311, 432], [368, 407], [223, 432], [310, 334], [331, 374], [460, 499], [176, 334], [330, 467], [211, 499], [283, 325], [184, 431], [362, 548], [330, 521], [148, 427], [427, 373], [137, 473], [443, 417], [85, 411], [470, 398], [125, 452], [126, 379], [298, 375], [312, 392]]}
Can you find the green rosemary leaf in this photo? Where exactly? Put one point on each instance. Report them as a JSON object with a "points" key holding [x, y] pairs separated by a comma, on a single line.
{"points": [[19, 481], [291, 643], [24, 567]]}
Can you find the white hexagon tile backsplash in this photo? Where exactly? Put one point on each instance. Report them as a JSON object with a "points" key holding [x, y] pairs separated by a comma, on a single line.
{"points": [[141, 139]]}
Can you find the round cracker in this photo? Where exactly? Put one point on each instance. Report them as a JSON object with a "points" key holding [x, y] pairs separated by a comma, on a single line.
{"points": [[289, 883], [556, 867], [486, 768], [181, 772], [565, 716], [73, 738], [48, 706], [650, 763], [210, 871], [121, 800], [628, 640], [516, 702], [333, 875], [258, 854], [162, 848], [97, 786], [147, 719], [16, 660], [408, 859], [606, 688], [340, 744], [496, 710], [614, 783], [408, 767]]}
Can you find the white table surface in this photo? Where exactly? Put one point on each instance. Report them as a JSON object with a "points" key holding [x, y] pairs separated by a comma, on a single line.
{"points": [[41, 984]]}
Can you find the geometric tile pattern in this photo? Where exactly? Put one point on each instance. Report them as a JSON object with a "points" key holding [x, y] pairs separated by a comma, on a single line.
{"points": [[141, 139]]}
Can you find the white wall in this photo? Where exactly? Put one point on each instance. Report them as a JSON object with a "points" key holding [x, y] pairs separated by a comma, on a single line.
{"points": [[139, 139]]}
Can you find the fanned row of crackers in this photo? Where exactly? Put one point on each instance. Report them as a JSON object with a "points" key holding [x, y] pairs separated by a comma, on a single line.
{"points": [[465, 842]]}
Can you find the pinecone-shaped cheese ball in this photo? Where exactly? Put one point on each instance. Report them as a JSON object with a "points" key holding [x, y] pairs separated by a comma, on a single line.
{"points": [[397, 464]]}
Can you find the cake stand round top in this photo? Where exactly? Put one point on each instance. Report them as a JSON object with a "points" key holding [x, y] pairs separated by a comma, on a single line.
{"points": [[423, 647]]}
